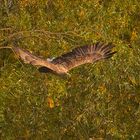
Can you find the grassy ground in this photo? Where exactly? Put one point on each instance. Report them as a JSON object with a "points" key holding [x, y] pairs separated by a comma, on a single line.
{"points": [[100, 101]]}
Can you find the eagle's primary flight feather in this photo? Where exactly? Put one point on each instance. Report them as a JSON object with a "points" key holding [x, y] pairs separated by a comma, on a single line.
{"points": [[65, 62]]}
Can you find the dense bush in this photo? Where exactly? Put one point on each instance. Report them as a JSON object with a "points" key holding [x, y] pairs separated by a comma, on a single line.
{"points": [[99, 101]]}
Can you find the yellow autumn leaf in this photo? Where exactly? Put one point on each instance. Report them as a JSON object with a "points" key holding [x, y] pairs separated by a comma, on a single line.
{"points": [[133, 80], [82, 13], [129, 108], [24, 3], [113, 130], [102, 88], [50, 102], [133, 35]]}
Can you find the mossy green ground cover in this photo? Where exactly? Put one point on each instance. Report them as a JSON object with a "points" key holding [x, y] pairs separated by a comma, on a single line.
{"points": [[98, 101]]}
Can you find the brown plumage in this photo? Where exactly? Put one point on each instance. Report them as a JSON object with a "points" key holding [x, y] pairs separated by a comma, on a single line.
{"points": [[65, 62]]}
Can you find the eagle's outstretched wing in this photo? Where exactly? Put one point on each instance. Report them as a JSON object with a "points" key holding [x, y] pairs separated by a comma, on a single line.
{"points": [[85, 54], [29, 58]]}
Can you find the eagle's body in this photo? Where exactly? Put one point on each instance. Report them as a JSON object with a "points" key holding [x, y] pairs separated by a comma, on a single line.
{"points": [[62, 64]]}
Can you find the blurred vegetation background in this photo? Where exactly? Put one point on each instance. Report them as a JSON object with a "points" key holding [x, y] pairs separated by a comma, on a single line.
{"points": [[99, 101]]}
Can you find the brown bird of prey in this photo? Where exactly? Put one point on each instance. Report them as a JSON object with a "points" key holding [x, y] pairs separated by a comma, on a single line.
{"points": [[63, 64]]}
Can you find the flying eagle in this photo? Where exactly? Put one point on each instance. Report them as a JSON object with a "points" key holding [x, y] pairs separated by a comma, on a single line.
{"points": [[63, 64]]}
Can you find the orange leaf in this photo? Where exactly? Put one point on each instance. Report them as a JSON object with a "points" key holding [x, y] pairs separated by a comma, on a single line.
{"points": [[50, 102]]}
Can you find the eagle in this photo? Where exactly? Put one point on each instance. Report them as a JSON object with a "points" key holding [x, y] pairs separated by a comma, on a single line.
{"points": [[61, 65]]}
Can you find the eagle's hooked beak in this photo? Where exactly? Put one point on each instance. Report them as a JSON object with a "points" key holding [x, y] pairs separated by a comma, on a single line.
{"points": [[65, 75], [69, 75]]}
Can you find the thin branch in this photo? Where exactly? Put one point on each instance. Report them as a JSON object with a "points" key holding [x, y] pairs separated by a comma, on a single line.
{"points": [[52, 35], [5, 47], [3, 29]]}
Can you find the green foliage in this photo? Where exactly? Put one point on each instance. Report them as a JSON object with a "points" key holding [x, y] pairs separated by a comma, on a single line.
{"points": [[100, 101]]}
